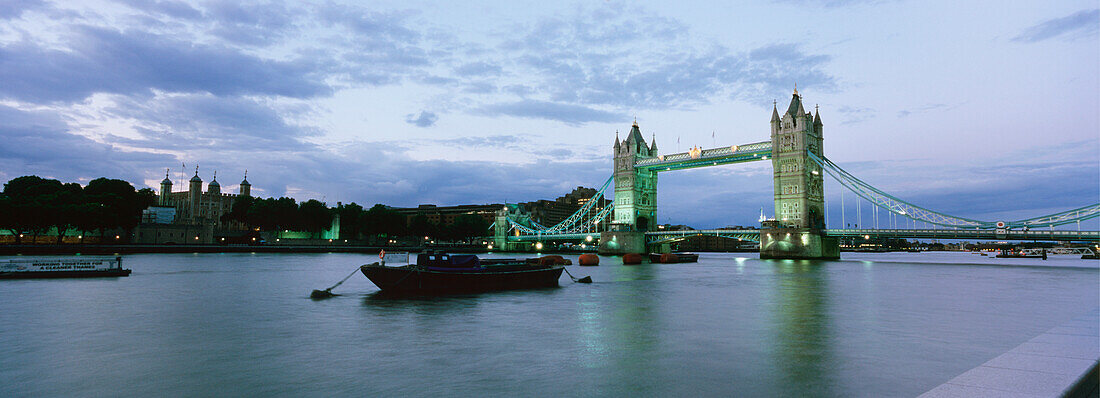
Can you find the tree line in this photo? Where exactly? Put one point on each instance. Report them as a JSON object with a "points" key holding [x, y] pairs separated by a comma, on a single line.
{"points": [[34, 205], [378, 222]]}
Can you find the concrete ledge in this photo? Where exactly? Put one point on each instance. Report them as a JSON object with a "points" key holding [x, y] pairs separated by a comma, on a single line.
{"points": [[1059, 363]]}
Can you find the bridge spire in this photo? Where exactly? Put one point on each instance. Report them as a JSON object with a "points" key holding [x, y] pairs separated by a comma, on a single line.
{"points": [[817, 116], [775, 112]]}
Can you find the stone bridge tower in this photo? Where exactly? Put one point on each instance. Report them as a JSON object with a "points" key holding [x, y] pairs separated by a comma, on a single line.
{"points": [[635, 190], [635, 197], [799, 199], [799, 188]]}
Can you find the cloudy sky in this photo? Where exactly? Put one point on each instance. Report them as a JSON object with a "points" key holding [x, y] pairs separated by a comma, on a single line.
{"points": [[987, 110]]}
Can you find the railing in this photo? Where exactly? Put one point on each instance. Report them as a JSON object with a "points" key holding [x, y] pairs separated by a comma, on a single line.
{"points": [[729, 154]]}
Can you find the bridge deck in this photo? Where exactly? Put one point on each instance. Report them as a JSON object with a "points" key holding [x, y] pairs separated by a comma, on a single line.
{"points": [[708, 157]]}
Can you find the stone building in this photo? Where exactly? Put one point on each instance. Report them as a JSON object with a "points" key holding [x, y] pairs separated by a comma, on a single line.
{"points": [[195, 207]]}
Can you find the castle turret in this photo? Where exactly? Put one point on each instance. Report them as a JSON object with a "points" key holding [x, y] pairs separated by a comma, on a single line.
{"points": [[194, 192], [246, 188], [165, 189], [214, 187]]}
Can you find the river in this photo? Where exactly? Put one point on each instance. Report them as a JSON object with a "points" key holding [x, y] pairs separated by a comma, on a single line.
{"points": [[882, 324]]}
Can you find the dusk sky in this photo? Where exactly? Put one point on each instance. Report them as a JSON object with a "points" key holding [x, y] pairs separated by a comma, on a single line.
{"points": [[981, 109]]}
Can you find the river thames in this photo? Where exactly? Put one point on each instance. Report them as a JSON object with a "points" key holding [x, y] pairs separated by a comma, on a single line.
{"points": [[890, 324]]}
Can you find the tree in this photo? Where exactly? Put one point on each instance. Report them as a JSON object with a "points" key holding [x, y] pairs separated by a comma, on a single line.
{"points": [[350, 219], [314, 216], [382, 221], [121, 203], [30, 198], [469, 226], [421, 226]]}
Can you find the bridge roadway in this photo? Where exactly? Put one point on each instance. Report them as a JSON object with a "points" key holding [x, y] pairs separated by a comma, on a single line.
{"points": [[754, 235]]}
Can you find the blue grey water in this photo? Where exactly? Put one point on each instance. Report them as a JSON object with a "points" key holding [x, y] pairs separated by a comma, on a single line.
{"points": [[730, 325]]}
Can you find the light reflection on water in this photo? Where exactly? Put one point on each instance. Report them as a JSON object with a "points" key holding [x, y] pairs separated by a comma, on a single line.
{"points": [[240, 324]]}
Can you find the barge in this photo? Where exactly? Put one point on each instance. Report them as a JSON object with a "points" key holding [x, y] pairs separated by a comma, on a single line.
{"points": [[441, 273], [77, 267]]}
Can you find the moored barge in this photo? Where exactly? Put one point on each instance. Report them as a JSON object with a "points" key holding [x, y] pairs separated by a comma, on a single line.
{"points": [[81, 267], [441, 273]]}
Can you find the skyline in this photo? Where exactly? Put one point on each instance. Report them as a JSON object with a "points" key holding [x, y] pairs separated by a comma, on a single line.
{"points": [[980, 110]]}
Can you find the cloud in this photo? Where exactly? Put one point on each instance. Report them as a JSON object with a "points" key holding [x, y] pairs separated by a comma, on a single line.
{"points": [[855, 114], [1084, 23], [478, 69], [205, 121], [254, 24], [39, 142], [11, 9], [833, 3], [170, 8], [566, 113], [108, 61], [608, 57], [501, 141], [423, 119]]}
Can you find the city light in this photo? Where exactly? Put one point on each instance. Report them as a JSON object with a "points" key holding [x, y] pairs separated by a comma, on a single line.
{"points": [[588, 238], [538, 246]]}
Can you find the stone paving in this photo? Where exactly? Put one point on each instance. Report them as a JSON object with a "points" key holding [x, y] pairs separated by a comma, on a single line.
{"points": [[1049, 365]]}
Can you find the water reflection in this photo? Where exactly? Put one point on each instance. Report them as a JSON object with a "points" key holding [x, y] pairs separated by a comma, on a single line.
{"points": [[802, 341]]}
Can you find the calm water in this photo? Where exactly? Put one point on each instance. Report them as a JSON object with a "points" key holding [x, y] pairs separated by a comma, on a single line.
{"points": [[241, 324]]}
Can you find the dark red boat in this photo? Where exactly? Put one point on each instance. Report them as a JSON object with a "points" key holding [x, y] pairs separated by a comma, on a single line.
{"points": [[672, 258], [440, 273]]}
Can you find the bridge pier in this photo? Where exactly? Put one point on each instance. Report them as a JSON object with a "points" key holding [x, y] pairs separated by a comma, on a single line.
{"points": [[616, 243], [798, 244]]}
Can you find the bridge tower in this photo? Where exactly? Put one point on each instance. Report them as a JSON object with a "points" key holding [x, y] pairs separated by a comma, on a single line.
{"points": [[635, 196], [798, 184]]}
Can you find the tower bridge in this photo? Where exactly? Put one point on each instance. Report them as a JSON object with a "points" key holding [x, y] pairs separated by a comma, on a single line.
{"points": [[795, 150]]}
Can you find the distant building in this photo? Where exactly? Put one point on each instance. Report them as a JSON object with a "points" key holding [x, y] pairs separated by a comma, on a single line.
{"points": [[446, 215], [550, 212], [195, 207], [545, 212]]}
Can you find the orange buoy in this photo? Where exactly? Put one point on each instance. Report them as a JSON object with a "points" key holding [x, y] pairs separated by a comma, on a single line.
{"points": [[589, 259], [632, 258], [669, 258]]}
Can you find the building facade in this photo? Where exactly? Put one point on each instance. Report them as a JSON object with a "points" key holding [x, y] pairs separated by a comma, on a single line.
{"points": [[196, 207], [635, 190], [798, 181]]}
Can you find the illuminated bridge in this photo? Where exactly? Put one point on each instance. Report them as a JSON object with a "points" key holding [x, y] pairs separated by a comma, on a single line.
{"points": [[625, 224]]}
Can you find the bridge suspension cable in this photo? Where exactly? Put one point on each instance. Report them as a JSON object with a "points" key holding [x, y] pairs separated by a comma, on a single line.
{"points": [[580, 221], [900, 207]]}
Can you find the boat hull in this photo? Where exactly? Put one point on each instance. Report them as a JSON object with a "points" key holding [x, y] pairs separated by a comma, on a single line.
{"points": [[415, 279], [65, 274]]}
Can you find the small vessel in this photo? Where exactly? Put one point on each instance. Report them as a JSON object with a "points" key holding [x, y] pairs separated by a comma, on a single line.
{"points": [[77, 267], [1006, 253], [672, 258], [440, 273]]}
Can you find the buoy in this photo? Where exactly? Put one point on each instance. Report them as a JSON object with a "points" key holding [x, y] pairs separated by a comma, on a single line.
{"points": [[632, 258], [669, 258], [589, 259]]}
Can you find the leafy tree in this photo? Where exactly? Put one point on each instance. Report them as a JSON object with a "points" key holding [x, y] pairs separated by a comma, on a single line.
{"points": [[382, 221], [30, 198], [121, 202], [421, 226], [314, 216], [468, 226], [350, 219]]}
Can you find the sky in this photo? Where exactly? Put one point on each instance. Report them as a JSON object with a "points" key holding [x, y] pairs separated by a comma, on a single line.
{"points": [[980, 109]]}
